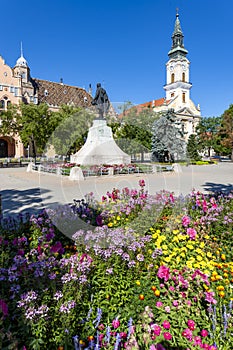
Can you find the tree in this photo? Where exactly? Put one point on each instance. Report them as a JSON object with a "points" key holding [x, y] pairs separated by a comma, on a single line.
{"points": [[192, 148], [168, 140], [134, 131], [226, 131], [208, 134], [71, 130]]}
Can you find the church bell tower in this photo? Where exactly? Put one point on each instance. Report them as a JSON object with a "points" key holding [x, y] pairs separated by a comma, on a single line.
{"points": [[177, 69]]}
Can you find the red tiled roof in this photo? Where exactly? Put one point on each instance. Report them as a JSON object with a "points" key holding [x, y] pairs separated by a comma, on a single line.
{"points": [[151, 104], [57, 94]]}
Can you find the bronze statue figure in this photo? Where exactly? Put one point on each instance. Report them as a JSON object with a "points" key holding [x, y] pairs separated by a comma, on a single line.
{"points": [[101, 101]]}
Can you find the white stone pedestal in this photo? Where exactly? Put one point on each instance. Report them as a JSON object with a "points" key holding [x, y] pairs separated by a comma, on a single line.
{"points": [[100, 147], [76, 174]]}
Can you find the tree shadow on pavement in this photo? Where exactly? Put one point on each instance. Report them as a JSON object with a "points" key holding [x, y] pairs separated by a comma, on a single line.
{"points": [[216, 187], [27, 201]]}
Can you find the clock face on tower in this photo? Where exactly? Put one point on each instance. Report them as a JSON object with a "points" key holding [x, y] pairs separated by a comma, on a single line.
{"points": [[183, 66]]}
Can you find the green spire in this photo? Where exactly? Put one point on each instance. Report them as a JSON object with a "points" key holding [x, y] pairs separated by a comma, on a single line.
{"points": [[177, 48]]}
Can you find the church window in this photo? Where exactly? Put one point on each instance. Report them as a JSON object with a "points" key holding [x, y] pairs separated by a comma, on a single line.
{"points": [[183, 97], [8, 103], [2, 104], [172, 78], [183, 77]]}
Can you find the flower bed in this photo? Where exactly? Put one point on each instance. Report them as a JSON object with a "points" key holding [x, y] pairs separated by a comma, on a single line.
{"points": [[150, 272]]}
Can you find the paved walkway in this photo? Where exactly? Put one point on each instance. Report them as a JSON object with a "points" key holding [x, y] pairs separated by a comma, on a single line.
{"points": [[30, 192]]}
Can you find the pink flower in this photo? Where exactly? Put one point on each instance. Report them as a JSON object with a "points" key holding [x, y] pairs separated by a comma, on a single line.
{"points": [[167, 336], [204, 333], [163, 272], [171, 288], [192, 233], [191, 325], [156, 329], [167, 309], [197, 340], [115, 323], [159, 304], [209, 297], [187, 333], [166, 325], [141, 183], [123, 335], [175, 303], [185, 221]]}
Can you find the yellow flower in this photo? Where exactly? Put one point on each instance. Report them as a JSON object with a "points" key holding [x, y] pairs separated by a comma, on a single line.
{"points": [[189, 246], [118, 218], [110, 224], [138, 283], [154, 236], [209, 255], [220, 288], [157, 293], [167, 259], [206, 236], [175, 232], [182, 254], [158, 231], [175, 239], [221, 294], [202, 244], [150, 251], [199, 258]]}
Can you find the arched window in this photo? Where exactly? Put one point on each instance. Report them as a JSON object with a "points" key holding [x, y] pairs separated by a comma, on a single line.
{"points": [[172, 77], [183, 77], [183, 97], [8, 103], [2, 104]]}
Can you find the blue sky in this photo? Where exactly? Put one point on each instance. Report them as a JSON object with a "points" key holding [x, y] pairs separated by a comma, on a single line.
{"points": [[124, 45]]}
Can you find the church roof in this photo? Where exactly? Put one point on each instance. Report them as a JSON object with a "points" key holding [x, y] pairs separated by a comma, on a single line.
{"points": [[151, 104], [57, 94]]}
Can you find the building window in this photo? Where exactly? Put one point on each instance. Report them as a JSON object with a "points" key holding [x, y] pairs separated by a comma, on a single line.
{"points": [[172, 94], [16, 91], [183, 97], [183, 77], [172, 77], [8, 103], [0, 87], [2, 104], [12, 89]]}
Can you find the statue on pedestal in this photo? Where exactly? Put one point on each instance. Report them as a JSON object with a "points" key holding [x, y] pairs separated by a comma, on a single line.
{"points": [[101, 101]]}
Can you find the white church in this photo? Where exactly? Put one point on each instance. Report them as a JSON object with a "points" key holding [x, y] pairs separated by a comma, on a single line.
{"points": [[178, 86]]}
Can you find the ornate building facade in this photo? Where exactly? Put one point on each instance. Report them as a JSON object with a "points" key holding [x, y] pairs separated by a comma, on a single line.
{"points": [[17, 86]]}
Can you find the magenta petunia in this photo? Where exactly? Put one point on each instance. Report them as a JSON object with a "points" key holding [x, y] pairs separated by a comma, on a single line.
{"points": [[167, 336], [163, 273], [166, 324]]}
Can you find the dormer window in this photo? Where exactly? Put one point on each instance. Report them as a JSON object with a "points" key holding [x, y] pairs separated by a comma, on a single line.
{"points": [[46, 92]]}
